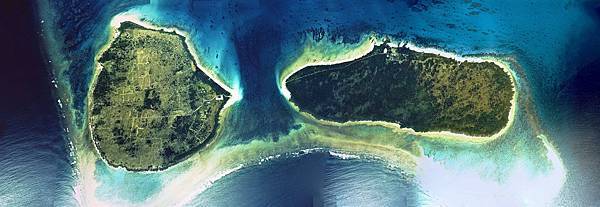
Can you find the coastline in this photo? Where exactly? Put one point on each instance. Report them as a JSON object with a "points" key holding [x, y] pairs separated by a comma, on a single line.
{"points": [[223, 161], [217, 163], [201, 172], [301, 62], [210, 165], [115, 24], [87, 159], [307, 59]]}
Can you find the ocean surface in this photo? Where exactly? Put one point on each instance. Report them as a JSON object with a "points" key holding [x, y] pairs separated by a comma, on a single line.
{"points": [[554, 46], [35, 167], [312, 179]]}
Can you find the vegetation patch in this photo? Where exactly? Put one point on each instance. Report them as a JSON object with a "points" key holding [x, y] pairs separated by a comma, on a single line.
{"points": [[422, 91], [150, 106]]}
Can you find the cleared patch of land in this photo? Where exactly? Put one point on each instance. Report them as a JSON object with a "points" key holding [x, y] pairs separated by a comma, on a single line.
{"points": [[151, 106], [425, 92]]}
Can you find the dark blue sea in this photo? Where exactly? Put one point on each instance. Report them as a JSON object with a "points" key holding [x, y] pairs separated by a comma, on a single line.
{"points": [[555, 42], [35, 167], [317, 179]]}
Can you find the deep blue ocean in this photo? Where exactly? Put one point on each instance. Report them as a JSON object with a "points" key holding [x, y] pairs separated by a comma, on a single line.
{"points": [[556, 43], [312, 179], [35, 167]]}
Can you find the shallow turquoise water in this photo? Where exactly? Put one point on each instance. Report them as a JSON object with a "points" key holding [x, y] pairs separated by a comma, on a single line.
{"points": [[248, 43]]}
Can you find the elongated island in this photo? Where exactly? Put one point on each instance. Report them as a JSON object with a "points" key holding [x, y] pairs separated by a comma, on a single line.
{"points": [[422, 91], [150, 105]]}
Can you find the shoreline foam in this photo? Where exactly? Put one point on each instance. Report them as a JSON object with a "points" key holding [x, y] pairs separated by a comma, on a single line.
{"points": [[115, 24], [90, 184], [367, 46], [212, 164], [86, 165], [208, 169]]}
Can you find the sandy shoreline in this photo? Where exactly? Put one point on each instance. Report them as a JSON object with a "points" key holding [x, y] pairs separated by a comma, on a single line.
{"points": [[115, 24], [182, 185], [86, 159], [212, 164], [365, 47], [217, 163], [305, 60]]}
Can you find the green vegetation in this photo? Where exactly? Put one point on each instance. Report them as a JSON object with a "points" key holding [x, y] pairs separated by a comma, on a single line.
{"points": [[151, 107], [422, 91]]}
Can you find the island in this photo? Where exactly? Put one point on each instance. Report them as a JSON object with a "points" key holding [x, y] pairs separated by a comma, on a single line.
{"points": [[418, 90], [150, 106]]}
